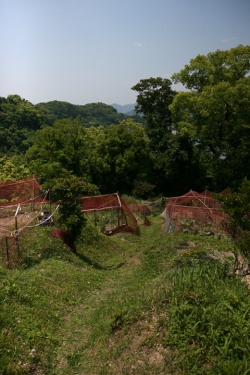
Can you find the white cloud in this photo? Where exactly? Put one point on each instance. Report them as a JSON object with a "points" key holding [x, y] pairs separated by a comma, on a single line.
{"points": [[227, 40], [139, 44]]}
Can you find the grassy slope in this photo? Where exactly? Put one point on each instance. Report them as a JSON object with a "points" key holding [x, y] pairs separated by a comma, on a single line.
{"points": [[154, 304]]}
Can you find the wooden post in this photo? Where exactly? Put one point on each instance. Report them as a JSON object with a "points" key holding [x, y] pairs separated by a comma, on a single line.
{"points": [[118, 216], [118, 212], [17, 246], [111, 218], [33, 194], [7, 250], [16, 213], [50, 206]]}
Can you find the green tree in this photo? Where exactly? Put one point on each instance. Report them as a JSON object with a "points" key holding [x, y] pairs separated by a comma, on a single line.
{"points": [[61, 146], [95, 165], [219, 66], [215, 113], [68, 190], [171, 153], [153, 100], [123, 156], [11, 169]]}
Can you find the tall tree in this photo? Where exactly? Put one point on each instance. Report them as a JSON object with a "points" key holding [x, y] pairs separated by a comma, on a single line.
{"points": [[153, 100], [171, 153], [219, 66], [215, 113]]}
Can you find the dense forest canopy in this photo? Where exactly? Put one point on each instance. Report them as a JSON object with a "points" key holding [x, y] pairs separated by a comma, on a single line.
{"points": [[198, 139], [19, 119]]}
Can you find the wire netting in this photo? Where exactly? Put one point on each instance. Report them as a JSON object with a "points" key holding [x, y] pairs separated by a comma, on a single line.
{"points": [[22, 203], [14, 192], [200, 208], [155, 205], [111, 213], [140, 212]]}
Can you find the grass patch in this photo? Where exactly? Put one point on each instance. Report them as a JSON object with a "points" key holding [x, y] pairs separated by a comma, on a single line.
{"points": [[148, 304], [208, 320]]}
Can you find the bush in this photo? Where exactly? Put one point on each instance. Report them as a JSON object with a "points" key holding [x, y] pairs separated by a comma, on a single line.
{"points": [[236, 204], [142, 189]]}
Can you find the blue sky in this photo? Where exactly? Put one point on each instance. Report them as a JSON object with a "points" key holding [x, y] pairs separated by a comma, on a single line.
{"points": [[88, 51]]}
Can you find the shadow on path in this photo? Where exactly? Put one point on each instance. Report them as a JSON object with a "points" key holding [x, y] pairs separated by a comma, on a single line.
{"points": [[96, 265]]}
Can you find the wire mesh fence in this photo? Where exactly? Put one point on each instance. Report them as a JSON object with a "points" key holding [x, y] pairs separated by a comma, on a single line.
{"points": [[110, 213], [22, 206], [196, 209]]}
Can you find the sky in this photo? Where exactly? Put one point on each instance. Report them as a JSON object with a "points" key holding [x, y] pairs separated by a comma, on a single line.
{"points": [[89, 51]]}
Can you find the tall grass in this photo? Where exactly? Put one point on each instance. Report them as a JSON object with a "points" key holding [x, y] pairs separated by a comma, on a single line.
{"points": [[209, 320]]}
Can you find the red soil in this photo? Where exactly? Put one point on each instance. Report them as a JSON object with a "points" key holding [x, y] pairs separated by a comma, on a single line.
{"points": [[66, 237]]}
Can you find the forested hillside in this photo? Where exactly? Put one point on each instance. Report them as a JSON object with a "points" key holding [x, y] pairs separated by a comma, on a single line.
{"points": [[198, 139], [19, 119], [93, 114]]}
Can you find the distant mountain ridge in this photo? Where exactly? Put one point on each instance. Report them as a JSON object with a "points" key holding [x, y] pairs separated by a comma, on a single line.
{"points": [[125, 108], [92, 114]]}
